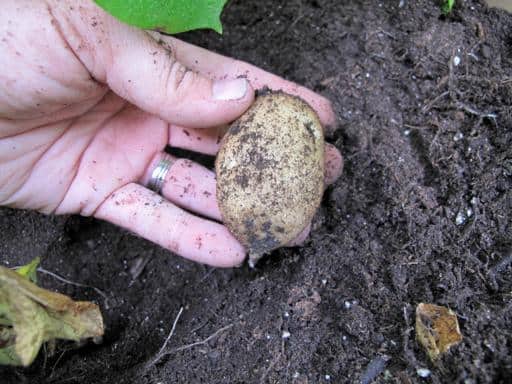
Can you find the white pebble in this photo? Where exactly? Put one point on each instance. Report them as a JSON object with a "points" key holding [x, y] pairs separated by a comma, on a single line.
{"points": [[458, 136], [324, 281], [456, 60], [423, 372], [460, 219], [407, 132], [469, 212], [286, 334], [296, 375], [327, 377], [286, 314], [401, 4], [348, 304]]}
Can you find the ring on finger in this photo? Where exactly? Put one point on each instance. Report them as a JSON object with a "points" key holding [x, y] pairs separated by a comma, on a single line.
{"points": [[159, 173]]}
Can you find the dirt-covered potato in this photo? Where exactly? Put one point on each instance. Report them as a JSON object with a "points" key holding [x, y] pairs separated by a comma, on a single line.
{"points": [[270, 172]]}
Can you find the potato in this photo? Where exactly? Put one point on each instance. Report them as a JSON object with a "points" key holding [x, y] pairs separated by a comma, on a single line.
{"points": [[270, 172]]}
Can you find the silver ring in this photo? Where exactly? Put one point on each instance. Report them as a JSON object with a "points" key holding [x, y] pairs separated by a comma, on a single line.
{"points": [[157, 179]]}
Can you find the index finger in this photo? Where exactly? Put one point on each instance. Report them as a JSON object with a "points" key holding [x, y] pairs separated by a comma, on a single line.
{"points": [[217, 66]]}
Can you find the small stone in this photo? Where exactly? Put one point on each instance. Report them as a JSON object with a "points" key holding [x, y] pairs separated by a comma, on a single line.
{"points": [[423, 372], [348, 304], [456, 61], [407, 132], [327, 377], [286, 334], [458, 136], [469, 212], [296, 375], [460, 219]]}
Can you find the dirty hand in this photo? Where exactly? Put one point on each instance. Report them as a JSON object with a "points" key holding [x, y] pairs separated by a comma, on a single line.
{"points": [[87, 106]]}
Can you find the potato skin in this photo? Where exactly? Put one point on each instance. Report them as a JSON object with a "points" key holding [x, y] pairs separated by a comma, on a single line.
{"points": [[270, 172]]}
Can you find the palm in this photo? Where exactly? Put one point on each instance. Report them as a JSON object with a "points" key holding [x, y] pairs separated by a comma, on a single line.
{"points": [[77, 155]]}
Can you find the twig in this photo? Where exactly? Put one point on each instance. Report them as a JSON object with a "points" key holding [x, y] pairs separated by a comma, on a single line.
{"points": [[430, 104], [161, 352], [207, 275], [57, 362], [203, 342], [97, 290], [295, 21], [269, 368], [475, 112]]}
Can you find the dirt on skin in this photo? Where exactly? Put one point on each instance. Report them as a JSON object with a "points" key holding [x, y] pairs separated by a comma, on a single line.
{"points": [[422, 214]]}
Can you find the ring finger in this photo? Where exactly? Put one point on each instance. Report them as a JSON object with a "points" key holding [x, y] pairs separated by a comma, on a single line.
{"points": [[184, 183]]}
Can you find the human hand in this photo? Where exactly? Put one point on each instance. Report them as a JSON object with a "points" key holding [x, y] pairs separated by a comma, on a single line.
{"points": [[87, 106]]}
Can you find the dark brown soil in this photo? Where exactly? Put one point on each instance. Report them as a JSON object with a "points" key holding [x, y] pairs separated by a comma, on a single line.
{"points": [[422, 214]]}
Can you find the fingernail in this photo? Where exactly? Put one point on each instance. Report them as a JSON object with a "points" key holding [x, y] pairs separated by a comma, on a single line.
{"points": [[229, 89]]}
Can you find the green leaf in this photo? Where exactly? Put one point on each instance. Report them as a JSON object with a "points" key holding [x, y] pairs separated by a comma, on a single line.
{"points": [[30, 270], [448, 6], [169, 16]]}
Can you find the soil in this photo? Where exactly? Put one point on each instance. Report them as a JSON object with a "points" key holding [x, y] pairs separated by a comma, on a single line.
{"points": [[422, 213]]}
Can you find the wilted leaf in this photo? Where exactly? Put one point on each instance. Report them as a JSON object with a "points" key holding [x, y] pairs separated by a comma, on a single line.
{"points": [[30, 316], [437, 329], [170, 16], [30, 270]]}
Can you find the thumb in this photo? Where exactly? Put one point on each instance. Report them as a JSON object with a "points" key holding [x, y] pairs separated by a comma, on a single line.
{"points": [[148, 75]]}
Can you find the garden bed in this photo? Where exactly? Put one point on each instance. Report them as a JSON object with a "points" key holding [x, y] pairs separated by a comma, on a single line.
{"points": [[422, 213]]}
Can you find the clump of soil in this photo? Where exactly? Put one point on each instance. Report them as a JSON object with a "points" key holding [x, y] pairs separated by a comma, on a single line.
{"points": [[422, 214]]}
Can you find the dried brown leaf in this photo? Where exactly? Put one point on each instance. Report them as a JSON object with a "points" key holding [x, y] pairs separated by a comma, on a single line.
{"points": [[437, 329]]}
